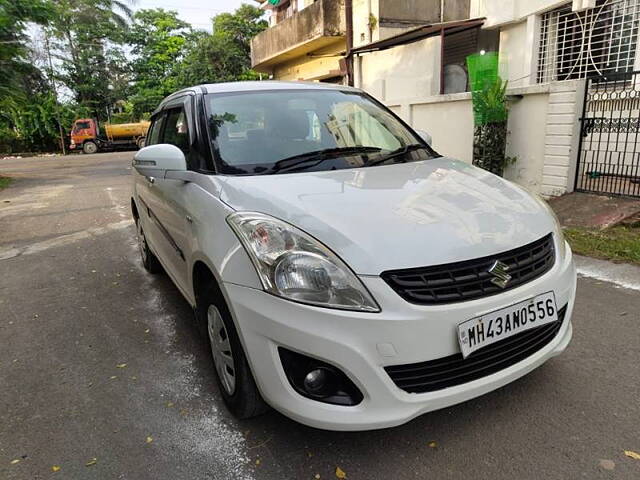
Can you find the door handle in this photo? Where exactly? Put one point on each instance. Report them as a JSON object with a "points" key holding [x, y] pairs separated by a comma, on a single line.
{"points": [[151, 180]]}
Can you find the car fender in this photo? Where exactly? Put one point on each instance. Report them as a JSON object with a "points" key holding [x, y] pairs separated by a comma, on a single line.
{"points": [[215, 244]]}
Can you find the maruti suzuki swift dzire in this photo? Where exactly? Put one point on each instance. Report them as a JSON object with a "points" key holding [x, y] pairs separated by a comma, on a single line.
{"points": [[346, 274]]}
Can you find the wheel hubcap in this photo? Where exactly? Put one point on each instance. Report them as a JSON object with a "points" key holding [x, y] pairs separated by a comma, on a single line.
{"points": [[221, 349], [142, 242]]}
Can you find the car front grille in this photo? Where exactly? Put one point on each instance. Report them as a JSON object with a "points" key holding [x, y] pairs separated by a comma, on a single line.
{"points": [[468, 280], [455, 370]]}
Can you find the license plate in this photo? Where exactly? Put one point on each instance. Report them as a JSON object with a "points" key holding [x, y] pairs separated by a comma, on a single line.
{"points": [[506, 322]]}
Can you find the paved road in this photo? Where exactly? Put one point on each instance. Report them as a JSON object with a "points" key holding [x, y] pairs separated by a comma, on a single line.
{"points": [[99, 360]]}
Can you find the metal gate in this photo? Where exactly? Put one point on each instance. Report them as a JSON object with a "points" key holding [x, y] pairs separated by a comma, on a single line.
{"points": [[609, 152]]}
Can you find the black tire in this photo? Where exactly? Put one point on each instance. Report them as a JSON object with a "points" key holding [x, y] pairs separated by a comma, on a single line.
{"points": [[149, 261], [89, 147], [245, 400], [140, 143]]}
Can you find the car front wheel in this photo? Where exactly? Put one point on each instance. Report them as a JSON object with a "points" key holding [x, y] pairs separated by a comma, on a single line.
{"points": [[237, 386]]}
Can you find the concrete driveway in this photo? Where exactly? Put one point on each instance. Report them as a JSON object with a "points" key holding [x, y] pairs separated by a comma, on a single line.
{"points": [[103, 374]]}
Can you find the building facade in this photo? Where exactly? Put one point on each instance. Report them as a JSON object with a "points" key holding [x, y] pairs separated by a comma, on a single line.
{"points": [[306, 40], [310, 39], [574, 101]]}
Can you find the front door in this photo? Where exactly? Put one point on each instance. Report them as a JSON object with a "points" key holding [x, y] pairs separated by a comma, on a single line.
{"points": [[147, 200], [169, 205]]}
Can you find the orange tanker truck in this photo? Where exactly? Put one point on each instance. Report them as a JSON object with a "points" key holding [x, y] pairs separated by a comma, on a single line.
{"points": [[86, 135]]}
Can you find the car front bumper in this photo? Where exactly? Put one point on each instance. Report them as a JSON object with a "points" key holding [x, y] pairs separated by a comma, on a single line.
{"points": [[362, 344]]}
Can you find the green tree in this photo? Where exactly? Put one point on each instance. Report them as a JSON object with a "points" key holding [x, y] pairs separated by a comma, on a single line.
{"points": [[226, 54], [158, 39], [88, 39], [89, 34], [239, 28], [28, 108], [16, 71]]}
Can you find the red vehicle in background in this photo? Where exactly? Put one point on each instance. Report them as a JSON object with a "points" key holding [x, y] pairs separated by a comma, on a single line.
{"points": [[86, 135]]}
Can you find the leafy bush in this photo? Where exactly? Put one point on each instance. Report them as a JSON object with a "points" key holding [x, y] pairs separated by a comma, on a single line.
{"points": [[31, 123], [490, 133], [490, 103]]}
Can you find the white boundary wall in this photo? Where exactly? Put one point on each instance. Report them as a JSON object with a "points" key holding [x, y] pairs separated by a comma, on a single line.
{"points": [[543, 131]]}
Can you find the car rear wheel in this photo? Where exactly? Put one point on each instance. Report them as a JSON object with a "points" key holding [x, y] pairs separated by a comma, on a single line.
{"points": [[237, 386], [149, 260], [89, 147], [140, 143]]}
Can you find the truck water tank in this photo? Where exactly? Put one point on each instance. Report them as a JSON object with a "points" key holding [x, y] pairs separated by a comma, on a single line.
{"points": [[126, 130]]}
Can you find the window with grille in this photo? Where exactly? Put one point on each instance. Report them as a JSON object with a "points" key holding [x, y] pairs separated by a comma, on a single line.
{"points": [[593, 42]]}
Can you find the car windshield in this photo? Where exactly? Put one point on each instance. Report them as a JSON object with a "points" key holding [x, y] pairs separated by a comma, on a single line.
{"points": [[281, 131]]}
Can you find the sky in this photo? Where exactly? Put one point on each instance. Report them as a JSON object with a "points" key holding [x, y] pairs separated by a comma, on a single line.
{"points": [[196, 12]]}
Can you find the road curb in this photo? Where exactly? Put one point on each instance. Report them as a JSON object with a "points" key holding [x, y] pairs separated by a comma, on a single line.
{"points": [[622, 274]]}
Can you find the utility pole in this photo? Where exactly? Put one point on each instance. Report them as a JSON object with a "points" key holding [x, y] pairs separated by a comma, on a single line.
{"points": [[348, 6], [55, 91]]}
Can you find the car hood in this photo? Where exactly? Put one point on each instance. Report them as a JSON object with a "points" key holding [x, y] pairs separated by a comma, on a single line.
{"points": [[398, 216]]}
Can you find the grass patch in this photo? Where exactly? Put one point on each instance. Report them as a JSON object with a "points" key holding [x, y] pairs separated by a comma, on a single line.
{"points": [[4, 182], [620, 243]]}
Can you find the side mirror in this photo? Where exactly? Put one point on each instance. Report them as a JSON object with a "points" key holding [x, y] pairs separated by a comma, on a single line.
{"points": [[157, 160], [425, 136]]}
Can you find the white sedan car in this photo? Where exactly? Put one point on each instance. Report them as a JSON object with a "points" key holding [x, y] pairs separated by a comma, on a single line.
{"points": [[347, 274]]}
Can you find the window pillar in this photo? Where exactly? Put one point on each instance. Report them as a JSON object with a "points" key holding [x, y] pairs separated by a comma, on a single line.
{"points": [[531, 50]]}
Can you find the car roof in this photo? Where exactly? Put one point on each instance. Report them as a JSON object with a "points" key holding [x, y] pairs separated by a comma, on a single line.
{"points": [[254, 86], [272, 85]]}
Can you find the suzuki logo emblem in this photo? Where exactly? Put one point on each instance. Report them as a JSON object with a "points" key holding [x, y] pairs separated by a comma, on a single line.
{"points": [[499, 271]]}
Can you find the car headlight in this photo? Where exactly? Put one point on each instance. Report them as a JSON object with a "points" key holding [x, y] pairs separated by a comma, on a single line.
{"points": [[559, 234], [296, 266]]}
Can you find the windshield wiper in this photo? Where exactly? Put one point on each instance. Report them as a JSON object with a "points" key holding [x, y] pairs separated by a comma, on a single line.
{"points": [[396, 153], [317, 156]]}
